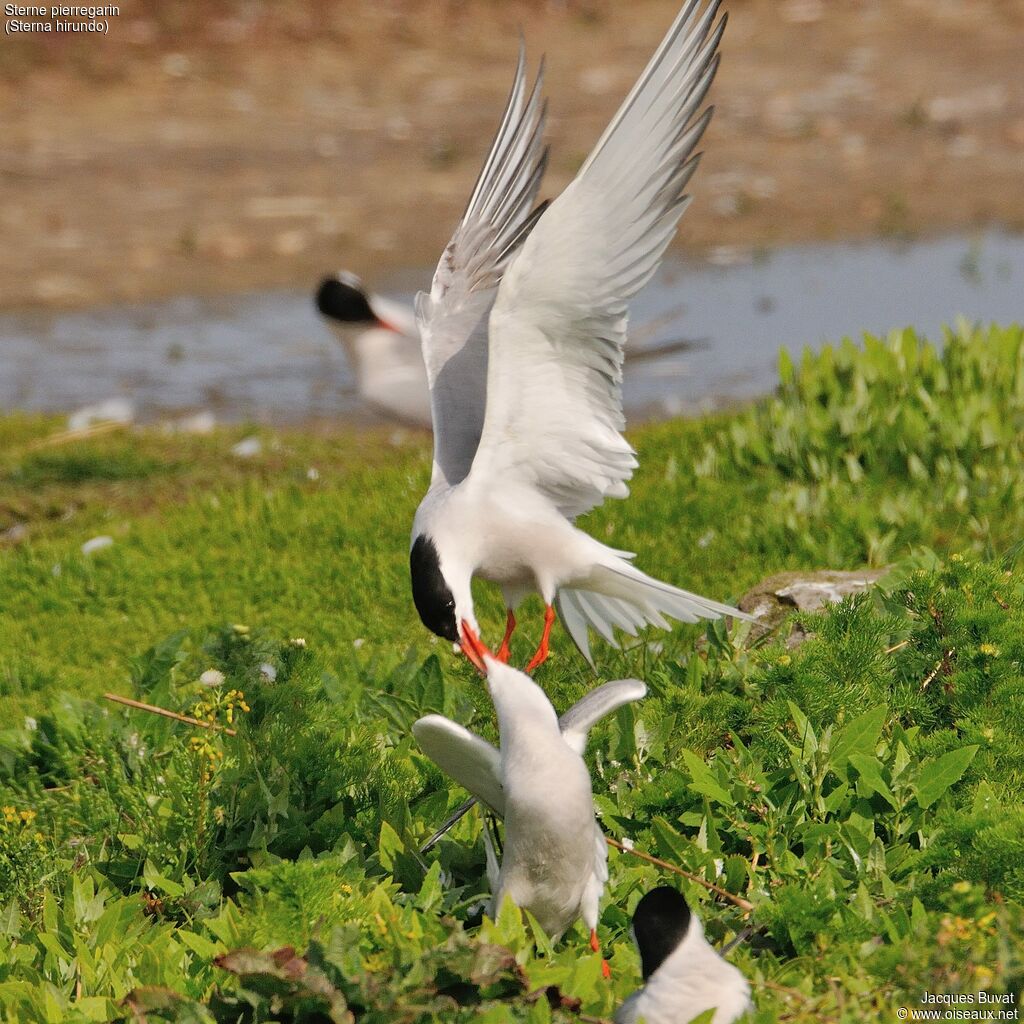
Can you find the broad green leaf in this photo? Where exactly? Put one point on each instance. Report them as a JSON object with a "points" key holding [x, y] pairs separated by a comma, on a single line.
{"points": [[940, 773], [429, 687], [859, 736], [10, 919], [431, 891], [671, 844], [199, 944], [389, 846], [807, 742], [159, 883], [870, 771], [703, 781]]}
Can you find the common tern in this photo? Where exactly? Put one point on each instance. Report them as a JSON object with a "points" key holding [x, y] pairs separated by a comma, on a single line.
{"points": [[523, 333], [382, 345], [683, 975], [555, 858]]}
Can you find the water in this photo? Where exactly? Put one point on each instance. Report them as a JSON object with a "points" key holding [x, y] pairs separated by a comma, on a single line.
{"points": [[268, 357]]}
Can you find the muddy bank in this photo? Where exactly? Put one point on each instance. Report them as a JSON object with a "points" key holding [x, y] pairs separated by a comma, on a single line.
{"points": [[198, 150]]}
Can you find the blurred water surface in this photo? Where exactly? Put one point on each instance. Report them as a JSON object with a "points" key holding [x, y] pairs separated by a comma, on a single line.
{"points": [[268, 357]]}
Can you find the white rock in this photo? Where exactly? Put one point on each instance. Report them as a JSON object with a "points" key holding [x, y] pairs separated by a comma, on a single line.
{"points": [[96, 544], [247, 448]]}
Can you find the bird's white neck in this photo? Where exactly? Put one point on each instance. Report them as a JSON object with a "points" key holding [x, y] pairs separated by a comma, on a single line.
{"points": [[525, 715]]}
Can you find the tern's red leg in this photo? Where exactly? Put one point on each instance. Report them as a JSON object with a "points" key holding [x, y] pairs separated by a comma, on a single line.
{"points": [[503, 651], [596, 947], [542, 652]]}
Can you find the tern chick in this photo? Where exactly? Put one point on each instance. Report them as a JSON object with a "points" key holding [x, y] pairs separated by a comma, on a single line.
{"points": [[683, 975], [555, 859]]}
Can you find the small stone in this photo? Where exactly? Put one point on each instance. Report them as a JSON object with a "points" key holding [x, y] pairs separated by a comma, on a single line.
{"points": [[772, 600], [247, 448], [97, 544], [176, 65]]}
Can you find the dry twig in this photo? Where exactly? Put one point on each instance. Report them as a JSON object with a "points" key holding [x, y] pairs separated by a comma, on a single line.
{"points": [[139, 705], [81, 434], [739, 901]]}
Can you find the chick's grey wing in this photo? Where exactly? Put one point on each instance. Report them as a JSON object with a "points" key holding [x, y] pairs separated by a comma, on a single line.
{"points": [[577, 722], [472, 762]]}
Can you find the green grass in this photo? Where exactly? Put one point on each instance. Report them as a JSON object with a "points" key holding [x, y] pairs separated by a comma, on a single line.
{"points": [[862, 791]]}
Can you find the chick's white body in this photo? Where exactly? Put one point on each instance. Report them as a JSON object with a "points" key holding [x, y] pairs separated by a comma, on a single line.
{"points": [[555, 859], [554, 862]]}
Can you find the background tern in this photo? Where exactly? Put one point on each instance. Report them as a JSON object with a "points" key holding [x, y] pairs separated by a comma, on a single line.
{"points": [[683, 975], [523, 333], [555, 859], [382, 345]]}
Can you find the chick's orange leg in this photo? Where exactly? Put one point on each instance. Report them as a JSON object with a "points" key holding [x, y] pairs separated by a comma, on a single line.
{"points": [[542, 651], [503, 650], [606, 971]]}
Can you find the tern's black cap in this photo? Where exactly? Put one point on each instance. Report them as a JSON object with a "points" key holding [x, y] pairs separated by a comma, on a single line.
{"points": [[660, 922], [430, 592], [344, 301]]}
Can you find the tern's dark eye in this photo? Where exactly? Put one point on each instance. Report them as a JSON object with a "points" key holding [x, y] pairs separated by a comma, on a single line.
{"points": [[430, 593]]}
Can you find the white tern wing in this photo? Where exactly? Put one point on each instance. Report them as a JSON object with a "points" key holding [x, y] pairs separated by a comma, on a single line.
{"points": [[577, 722], [558, 326], [472, 762], [452, 317]]}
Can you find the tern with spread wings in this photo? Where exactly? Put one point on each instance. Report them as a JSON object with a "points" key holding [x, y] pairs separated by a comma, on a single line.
{"points": [[523, 333], [555, 859]]}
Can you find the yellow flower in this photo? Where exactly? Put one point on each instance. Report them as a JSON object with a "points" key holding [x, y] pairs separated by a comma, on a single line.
{"points": [[785, 659], [984, 976], [990, 649], [27, 816]]}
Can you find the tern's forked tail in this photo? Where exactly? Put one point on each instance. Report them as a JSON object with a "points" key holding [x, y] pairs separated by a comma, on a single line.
{"points": [[625, 598]]}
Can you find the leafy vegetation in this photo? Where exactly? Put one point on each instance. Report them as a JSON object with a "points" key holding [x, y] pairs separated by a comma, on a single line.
{"points": [[857, 798]]}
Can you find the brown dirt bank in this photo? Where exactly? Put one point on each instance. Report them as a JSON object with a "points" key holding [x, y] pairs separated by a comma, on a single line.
{"points": [[216, 147]]}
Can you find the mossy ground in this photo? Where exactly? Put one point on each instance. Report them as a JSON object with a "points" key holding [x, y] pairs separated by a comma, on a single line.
{"points": [[863, 791]]}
